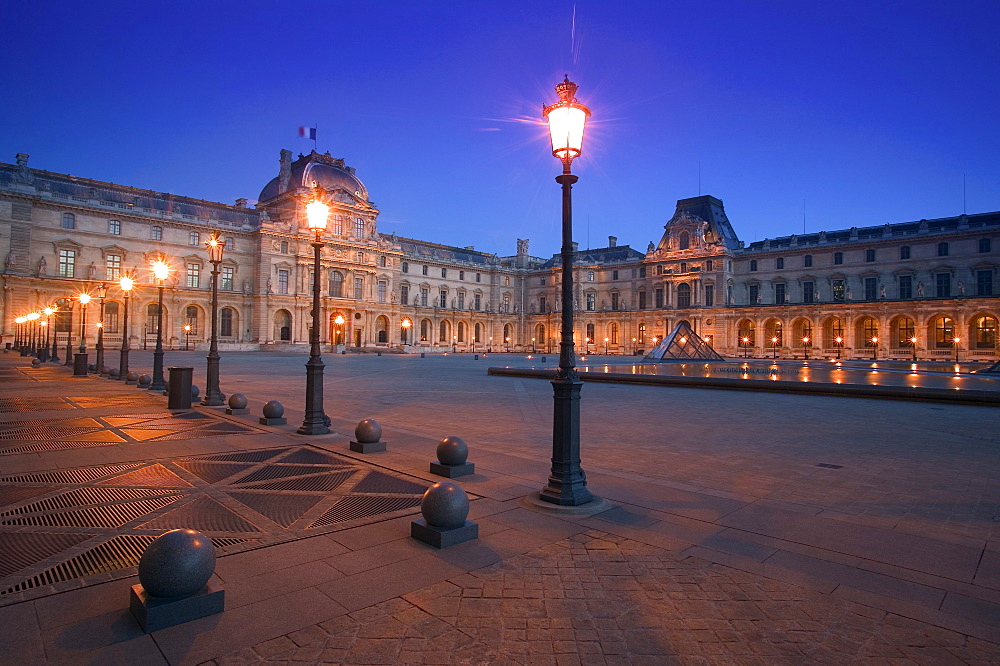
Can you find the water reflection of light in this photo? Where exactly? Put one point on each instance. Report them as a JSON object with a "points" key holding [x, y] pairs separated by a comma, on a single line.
{"points": [[913, 366], [774, 377], [746, 375], [958, 368], [607, 369]]}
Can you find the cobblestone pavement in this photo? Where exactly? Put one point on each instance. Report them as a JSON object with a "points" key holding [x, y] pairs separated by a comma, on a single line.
{"points": [[600, 599]]}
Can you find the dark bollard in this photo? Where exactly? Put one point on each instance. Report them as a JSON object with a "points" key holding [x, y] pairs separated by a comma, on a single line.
{"points": [[543, 359], [445, 507], [380, 353], [43, 355], [79, 365], [421, 354], [179, 391], [477, 357]]}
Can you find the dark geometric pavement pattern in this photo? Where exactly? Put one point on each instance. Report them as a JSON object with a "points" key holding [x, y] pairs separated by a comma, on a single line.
{"points": [[29, 435], [60, 526]]}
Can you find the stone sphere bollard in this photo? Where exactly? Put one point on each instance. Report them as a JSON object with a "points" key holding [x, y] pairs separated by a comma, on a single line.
{"points": [[35, 361], [92, 367], [177, 564], [368, 431], [452, 451], [445, 505], [132, 376], [238, 401], [145, 381], [194, 392], [113, 373], [273, 409]]}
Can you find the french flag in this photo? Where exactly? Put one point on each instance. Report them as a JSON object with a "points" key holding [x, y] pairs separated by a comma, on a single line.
{"points": [[308, 133]]}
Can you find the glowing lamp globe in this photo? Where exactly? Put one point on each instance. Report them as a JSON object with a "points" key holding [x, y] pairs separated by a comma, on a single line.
{"points": [[160, 270], [32, 316], [316, 213], [126, 283], [566, 119], [215, 247], [48, 312], [20, 320], [84, 298]]}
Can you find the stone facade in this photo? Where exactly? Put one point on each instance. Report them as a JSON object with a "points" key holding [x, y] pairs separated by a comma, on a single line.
{"points": [[932, 280]]}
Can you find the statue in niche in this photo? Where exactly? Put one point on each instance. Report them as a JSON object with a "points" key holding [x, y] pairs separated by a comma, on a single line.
{"points": [[8, 264], [816, 295], [650, 247], [270, 286], [920, 289], [881, 291], [42, 264], [92, 271], [246, 286], [848, 294], [961, 288], [760, 299], [522, 245]]}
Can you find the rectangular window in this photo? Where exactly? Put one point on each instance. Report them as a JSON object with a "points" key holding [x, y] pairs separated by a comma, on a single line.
{"points": [[338, 225], [282, 281], [113, 263], [461, 275], [591, 301], [808, 292], [984, 245], [444, 272], [642, 300], [984, 283], [942, 249], [807, 261], [423, 270], [115, 227], [461, 300], [614, 301], [904, 252], [541, 304], [838, 258], [381, 291], [404, 294], [753, 264], [406, 267], [869, 255], [228, 274], [905, 284], [779, 292], [194, 238], [68, 221], [423, 296], [156, 233], [193, 275], [642, 269], [359, 284], [779, 263], [709, 295], [709, 265], [871, 288], [658, 298], [477, 302], [659, 270], [67, 263], [359, 228], [478, 277], [942, 283], [838, 290], [614, 275], [753, 294], [443, 298]]}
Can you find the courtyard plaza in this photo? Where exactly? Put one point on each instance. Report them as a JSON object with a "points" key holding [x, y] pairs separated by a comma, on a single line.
{"points": [[743, 527]]}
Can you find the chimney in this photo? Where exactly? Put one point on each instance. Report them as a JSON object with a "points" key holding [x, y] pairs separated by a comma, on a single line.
{"points": [[241, 203], [612, 241], [576, 246]]}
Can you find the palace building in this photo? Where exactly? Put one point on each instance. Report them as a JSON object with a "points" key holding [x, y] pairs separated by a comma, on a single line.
{"points": [[853, 293]]}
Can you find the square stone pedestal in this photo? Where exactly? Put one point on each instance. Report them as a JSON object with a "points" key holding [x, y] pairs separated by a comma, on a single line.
{"points": [[230, 410], [451, 471], [367, 447], [155, 613], [278, 421], [442, 538]]}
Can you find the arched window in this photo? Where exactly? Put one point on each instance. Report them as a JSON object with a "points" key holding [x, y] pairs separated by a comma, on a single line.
{"points": [[642, 334], [747, 332], [683, 241], [382, 330], [461, 331], [832, 330], [590, 332], [336, 283], [944, 332], [226, 322], [283, 325], [902, 332], [153, 318], [425, 329], [443, 332], [508, 335], [985, 332], [613, 330], [479, 333], [868, 329], [111, 317], [191, 314], [683, 295]]}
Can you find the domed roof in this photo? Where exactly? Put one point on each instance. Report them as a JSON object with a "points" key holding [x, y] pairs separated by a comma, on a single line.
{"points": [[330, 173]]}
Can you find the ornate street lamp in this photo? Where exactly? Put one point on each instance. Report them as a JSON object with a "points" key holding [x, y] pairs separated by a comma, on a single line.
{"points": [[874, 347], [315, 422], [213, 395], [567, 484], [746, 344], [84, 298], [339, 321], [187, 334], [840, 345], [125, 283], [774, 346], [913, 345], [102, 293], [32, 318], [49, 311], [805, 346], [405, 324], [160, 271], [43, 339], [18, 332], [956, 340], [69, 332]]}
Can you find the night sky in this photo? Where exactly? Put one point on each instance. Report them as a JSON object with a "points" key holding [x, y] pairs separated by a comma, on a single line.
{"points": [[822, 115]]}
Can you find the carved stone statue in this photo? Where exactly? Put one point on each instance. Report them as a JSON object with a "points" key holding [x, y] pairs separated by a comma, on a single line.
{"points": [[920, 289], [246, 286], [848, 293], [91, 271], [270, 286], [650, 247], [8, 263], [961, 288], [41, 266], [881, 291], [522, 246]]}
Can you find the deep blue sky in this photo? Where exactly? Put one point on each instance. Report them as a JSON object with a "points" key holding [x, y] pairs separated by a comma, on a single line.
{"points": [[868, 112]]}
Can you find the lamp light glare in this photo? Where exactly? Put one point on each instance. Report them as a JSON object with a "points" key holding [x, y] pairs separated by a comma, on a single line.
{"points": [[84, 298], [316, 213]]}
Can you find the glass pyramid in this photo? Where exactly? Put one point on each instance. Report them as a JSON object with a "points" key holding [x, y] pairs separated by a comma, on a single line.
{"points": [[683, 344]]}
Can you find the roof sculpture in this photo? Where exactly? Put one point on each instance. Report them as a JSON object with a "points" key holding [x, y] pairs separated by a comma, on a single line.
{"points": [[683, 344]]}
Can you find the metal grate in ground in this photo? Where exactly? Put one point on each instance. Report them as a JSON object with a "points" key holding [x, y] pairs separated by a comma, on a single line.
{"points": [[67, 525]]}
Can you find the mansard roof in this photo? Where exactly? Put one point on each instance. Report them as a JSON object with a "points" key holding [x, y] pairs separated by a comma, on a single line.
{"points": [[437, 252], [618, 254]]}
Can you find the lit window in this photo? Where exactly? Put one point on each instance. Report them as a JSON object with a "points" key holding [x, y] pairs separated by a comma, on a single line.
{"points": [[194, 238], [115, 227], [193, 275], [67, 263], [227, 278], [113, 263], [156, 233]]}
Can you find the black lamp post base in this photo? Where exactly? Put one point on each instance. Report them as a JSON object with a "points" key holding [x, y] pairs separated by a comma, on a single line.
{"points": [[313, 428], [214, 398]]}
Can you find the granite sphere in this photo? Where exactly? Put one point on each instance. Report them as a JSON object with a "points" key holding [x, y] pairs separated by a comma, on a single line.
{"points": [[368, 431], [92, 367], [145, 380], [237, 401], [35, 361], [194, 392], [273, 409], [132, 376], [445, 505], [113, 372], [452, 451], [177, 564]]}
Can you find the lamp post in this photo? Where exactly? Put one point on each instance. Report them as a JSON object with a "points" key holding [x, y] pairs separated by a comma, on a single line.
{"points": [[490, 349], [913, 346], [339, 321], [33, 327], [406, 324], [84, 298], [69, 333], [49, 311], [840, 345], [805, 346], [454, 344], [507, 340], [160, 271], [213, 395], [956, 340], [125, 283], [315, 422], [532, 345], [746, 343], [102, 293], [187, 338], [567, 484], [18, 321], [774, 346], [43, 338], [635, 347], [874, 347]]}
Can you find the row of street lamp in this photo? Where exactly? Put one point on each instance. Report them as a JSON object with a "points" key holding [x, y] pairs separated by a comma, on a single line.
{"points": [[839, 341]]}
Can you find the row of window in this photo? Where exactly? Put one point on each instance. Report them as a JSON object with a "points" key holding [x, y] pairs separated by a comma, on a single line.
{"points": [[942, 333], [425, 270], [943, 249], [874, 290]]}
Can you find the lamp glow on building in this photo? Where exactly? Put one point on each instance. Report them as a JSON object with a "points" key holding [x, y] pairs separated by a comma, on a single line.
{"points": [[125, 283], [567, 483], [160, 271], [213, 394], [315, 422]]}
